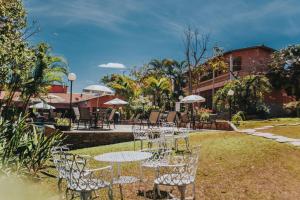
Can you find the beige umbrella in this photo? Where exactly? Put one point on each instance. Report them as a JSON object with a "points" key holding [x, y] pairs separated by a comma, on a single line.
{"points": [[42, 105], [51, 98], [193, 99], [116, 101]]}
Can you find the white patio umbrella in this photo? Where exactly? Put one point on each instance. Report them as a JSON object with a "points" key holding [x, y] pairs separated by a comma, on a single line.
{"points": [[116, 101], [42, 105], [98, 89], [193, 99], [51, 98]]}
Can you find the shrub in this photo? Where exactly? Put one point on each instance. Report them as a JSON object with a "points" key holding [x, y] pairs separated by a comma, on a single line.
{"points": [[248, 97], [292, 108], [262, 111], [203, 116], [238, 117], [24, 148], [62, 121]]}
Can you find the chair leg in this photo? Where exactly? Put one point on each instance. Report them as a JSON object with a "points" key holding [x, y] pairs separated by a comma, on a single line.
{"points": [[154, 191], [182, 190], [121, 191], [85, 195], [59, 184], [66, 193], [194, 191], [110, 193], [187, 143]]}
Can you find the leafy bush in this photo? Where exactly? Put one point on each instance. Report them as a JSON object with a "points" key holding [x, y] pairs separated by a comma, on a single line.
{"points": [[262, 110], [248, 97], [62, 121], [24, 148], [238, 117], [204, 116], [292, 108]]}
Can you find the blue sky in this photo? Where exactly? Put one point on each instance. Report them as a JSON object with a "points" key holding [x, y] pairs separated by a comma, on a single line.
{"points": [[94, 34]]}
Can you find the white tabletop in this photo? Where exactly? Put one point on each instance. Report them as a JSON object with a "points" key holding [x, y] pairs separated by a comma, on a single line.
{"points": [[123, 156]]}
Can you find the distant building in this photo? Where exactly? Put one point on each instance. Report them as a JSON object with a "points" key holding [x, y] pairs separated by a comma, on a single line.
{"points": [[59, 97], [244, 61]]}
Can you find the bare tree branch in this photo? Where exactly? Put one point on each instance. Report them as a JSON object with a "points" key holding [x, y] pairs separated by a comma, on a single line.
{"points": [[195, 45]]}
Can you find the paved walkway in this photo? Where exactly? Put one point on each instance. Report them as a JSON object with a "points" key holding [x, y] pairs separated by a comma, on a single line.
{"points": [[271, 136]]}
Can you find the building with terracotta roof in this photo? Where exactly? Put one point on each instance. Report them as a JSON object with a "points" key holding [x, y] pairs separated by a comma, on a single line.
{"points": [[242, 62], [59, 97]]}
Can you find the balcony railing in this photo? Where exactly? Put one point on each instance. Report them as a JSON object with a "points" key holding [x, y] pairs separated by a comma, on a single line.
{"points": [[219, 78]]}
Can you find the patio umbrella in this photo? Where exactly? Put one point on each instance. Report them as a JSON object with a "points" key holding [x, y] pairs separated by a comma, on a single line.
{"points": [[51, 98], [116, 101], [98, 89], [193, 99], [42, 105]]}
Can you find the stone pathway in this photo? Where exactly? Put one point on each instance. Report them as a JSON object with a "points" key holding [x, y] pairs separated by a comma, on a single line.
{"points": [[271, 136]]}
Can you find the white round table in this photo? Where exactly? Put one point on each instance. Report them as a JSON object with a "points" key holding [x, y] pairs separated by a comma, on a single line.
{"points": [[122, 157]]}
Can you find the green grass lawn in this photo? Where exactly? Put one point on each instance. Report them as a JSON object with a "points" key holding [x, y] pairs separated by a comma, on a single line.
{"points": [[260, 123], [232, 166]]}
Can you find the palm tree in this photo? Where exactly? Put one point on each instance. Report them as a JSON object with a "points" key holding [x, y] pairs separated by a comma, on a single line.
{"points": [[47, 70], [159, 88], [124, 86]]}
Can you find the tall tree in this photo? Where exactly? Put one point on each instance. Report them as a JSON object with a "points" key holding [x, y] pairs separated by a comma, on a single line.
{"points": [[195, 47], [123, 85], [23, 67], [46, 70], [159, 89], [284, 70]]}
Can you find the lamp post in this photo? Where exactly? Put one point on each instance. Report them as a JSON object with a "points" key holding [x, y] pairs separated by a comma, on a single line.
{"points": [[230, 94], [71, 78]]}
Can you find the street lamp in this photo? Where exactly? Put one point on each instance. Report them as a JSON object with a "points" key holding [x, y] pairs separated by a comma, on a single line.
{"points": [[180, 97], [71, 78], [230, 94]]}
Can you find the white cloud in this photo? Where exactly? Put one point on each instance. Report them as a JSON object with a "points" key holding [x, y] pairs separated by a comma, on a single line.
{"points": [[113, 66]]}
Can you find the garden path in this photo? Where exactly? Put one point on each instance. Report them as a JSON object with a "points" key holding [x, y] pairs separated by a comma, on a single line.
{"points": [[271, 136]]}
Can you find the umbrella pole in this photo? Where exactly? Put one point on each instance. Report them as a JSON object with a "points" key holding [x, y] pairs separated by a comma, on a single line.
{"points": [[193, 117]]}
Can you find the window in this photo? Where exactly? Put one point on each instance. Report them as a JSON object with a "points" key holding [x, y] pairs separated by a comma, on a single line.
{"points": [[237, 63]]}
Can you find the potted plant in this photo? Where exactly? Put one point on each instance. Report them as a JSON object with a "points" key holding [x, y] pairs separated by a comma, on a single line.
{"points": [[62, 124]]}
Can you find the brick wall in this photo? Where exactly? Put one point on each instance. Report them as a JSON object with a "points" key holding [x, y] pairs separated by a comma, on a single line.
{"points": [[84, 139]]}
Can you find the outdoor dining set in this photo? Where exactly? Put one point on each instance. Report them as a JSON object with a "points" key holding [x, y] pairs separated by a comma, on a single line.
{"points": [[162, 157]]}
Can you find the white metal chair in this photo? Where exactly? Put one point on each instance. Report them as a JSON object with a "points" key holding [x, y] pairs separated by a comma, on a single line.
{"points": [[154, 139], [183, 133], [59, 155], [139, 134], [167, 132], [86, 181], [159, 157], [180, 174]]}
